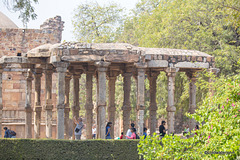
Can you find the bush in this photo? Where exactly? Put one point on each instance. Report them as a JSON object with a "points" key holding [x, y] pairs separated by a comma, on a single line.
{"points": [[219, 133], [66, 149]]}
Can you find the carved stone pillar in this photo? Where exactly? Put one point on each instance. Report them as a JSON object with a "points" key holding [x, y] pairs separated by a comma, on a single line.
{"points": [[61, 69], [140, 96], [153, 105], [192, 97], [89, 104], [101, 104], [1, 105], [48, 102], [37, 104], [136, 108], [126, 101], [171, 109], [75, 107], [28, 108], [67, 108], [111, 99]]}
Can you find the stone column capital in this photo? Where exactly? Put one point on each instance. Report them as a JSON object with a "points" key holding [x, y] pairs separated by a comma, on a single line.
{"points": [[192, 76], [102, 66], [76, 76], [153, 74], [214, 70], [37, 75], [61, 66], [37, 109], [28, 109], [112, 74], [68, 76], [140, 65], [171, 71], [28, 75]]}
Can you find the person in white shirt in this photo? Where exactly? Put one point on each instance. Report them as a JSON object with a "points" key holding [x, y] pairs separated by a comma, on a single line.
{"points": [[94, 131], [129, 133], [78, 128]]}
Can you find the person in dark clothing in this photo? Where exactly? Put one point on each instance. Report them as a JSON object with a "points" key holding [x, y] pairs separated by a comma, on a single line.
{"points": [[7, 133], [162, 129], [145, 132]]}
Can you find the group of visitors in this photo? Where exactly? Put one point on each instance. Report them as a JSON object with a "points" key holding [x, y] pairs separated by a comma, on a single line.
{"points": [[131, 132], [162, 129], [9, 133]]}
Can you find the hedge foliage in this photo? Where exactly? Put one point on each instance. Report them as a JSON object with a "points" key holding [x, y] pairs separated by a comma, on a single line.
{"points": [[67, 149]]}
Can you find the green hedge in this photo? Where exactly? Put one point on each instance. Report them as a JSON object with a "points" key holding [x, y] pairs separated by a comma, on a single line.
{"points": [[67, 149]]}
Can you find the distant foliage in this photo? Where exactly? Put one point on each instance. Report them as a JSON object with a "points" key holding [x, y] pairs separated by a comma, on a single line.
{"points": [[25, 7], [219, 119], [95, 23]]}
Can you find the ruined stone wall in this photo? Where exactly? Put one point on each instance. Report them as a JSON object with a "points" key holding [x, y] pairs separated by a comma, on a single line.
{"points": [[12, 42]]}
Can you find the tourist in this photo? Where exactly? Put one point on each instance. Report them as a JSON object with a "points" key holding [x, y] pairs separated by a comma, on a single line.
{"points": [[133, 135], [94, 130], [78, 128], [196, 128], [187, 128], [121, 137], [108, 129], [129, 133], [162, 129], [7, 133], [145, 132]]}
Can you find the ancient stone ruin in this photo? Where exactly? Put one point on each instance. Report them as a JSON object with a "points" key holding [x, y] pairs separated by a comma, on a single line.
{"points": [[104, 61]]}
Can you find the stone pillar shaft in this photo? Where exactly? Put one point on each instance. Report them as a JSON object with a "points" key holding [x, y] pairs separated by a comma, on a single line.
{"points": [[67, 108], [48, 103], [37, 105], [140, 97], [75, 107], [111, 102], [126, 101], [192, 98], [28, 108], [61, 69], [89, 105], [101, 104], [1, 105], [153, 104], [171, 109]]}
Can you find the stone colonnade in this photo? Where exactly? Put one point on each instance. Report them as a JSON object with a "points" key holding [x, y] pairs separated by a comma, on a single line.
{"points": [[102, 71]]}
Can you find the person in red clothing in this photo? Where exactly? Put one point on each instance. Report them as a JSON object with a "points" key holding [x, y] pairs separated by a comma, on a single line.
{"points": [[133, 136], [121, 137]]}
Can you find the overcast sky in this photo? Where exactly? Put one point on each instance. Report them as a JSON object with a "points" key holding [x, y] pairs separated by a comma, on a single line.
{"points": [[50, 8]]}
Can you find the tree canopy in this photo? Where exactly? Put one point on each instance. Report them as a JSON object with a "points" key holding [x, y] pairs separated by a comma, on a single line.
{"points": [[95, 23], [25, 7]]}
